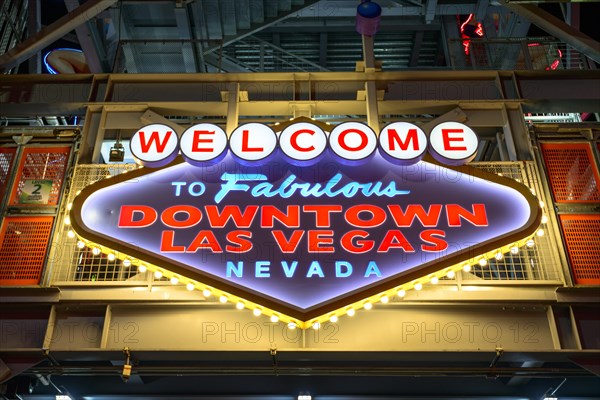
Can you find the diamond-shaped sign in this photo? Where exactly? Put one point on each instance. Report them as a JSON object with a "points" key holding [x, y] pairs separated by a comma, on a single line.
{"points": [[305, 241]]}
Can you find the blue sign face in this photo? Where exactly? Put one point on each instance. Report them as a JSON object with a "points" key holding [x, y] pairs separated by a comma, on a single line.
{"points": [[305, 240]]}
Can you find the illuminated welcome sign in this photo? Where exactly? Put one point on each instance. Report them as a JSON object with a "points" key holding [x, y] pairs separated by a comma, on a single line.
{"points": [[304, 225]]}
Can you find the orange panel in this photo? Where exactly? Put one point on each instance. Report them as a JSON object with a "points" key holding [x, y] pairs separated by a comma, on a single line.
{"points": [[42, 163], [572, 172], [7, 156], [23, 243], [583, 245]]}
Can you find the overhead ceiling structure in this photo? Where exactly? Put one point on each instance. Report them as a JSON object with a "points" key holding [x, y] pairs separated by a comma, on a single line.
{"points": [[292, 37]]}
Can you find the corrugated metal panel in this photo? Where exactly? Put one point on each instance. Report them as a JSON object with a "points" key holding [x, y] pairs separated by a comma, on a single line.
{"points": [[583, 244], [572, 173], [23, 243], [7, 156], [43, 163]]}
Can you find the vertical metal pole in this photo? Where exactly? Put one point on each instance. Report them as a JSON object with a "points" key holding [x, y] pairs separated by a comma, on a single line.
{"points": [[370, 86], [233, 107]]}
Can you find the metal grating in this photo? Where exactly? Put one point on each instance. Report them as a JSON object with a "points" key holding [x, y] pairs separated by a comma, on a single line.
{"points": [[23, 243], [583, 244], [71, 265], [7, 156], [42, 163], [571, 172]]}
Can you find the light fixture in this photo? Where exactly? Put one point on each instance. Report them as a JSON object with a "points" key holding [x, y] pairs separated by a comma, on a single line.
{"points": [[291, 326], [158, 274], [304, 397], [333, 318], [351, 312], [256, 312], [384, 299], [418, 286], [401, 293], [498, 257], [274, 318], [450, 274], [110, 257], [316, 326], [514, 250], [70, 234], [540, 232], [223, 299], [466, 268], [206, 293], [96, 251], [127, 262], [117, 153], [80, 245], [67, 220], [435, 280], [142, 268], [544, 219], [63, 397], [174, 280], [368, 306], [530, 243], [189, 286], [239, 305]]}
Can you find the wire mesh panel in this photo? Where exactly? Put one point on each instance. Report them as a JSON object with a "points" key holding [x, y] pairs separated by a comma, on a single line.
{"points": [[72, 263], [23, 244], [7, 156], [583, 242], [572, 173], [41, 164], [538, 260]]}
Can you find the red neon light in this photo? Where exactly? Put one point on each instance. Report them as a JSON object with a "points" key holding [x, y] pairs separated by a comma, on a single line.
{"points": [[466, 38]]}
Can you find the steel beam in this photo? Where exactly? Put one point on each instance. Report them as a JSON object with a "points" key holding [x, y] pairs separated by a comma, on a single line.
{"points": [[52, 32], [86, 39], [558, 28]]}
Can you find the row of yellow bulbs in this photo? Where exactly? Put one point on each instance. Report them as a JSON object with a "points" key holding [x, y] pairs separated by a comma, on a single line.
{"points": [[315, 323]]}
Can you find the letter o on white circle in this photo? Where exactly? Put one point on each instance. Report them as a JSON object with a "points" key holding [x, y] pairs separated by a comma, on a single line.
{"points": [[353, 141]]}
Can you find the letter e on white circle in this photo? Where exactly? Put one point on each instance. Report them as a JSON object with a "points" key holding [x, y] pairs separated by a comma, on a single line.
{"points": [[453, 143]]}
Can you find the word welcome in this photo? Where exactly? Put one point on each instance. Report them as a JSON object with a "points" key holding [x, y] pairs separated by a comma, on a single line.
{"points": [[304, 143]]}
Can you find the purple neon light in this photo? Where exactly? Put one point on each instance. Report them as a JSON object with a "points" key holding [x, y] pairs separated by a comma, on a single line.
{"points": [[507, 211]]}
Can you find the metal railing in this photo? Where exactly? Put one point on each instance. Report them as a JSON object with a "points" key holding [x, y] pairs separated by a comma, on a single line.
{"points": [[71, 264], [542, 53]]}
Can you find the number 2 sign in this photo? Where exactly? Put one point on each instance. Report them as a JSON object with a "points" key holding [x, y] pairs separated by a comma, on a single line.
{"points": [[36, 191]]}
